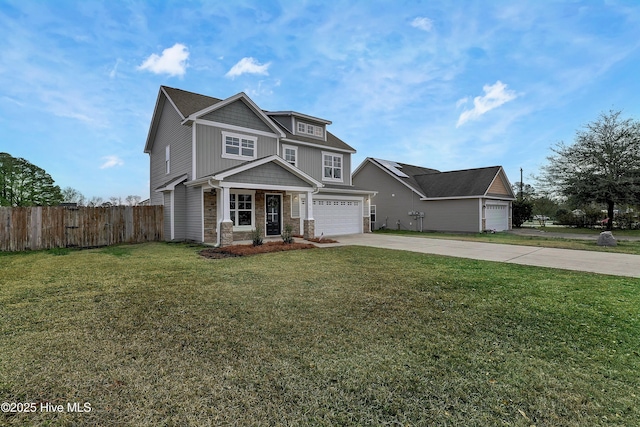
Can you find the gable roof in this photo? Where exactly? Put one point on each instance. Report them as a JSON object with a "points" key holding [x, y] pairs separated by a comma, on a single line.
{"points": [[433, 184], [188, 103], [191, 105]]}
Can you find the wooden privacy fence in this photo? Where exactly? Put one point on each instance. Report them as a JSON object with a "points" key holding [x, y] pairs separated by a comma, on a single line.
{"points": [[79, 227]]}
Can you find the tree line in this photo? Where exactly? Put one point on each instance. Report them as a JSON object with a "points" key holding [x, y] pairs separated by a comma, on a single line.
{"points": [[599, 171], [24, 184]]}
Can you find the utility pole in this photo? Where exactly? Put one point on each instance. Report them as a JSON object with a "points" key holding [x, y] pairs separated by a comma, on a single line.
{"points": [[521, 185]]}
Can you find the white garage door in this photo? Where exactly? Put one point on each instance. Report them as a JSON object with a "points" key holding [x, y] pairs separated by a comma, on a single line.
{"points": [[497, 217], [334, 217]]}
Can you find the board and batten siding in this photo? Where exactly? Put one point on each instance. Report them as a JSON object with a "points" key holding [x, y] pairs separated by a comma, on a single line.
{"points": [[167, 214], [180, 212], [169, 133], [238, 114], [209, 158]]}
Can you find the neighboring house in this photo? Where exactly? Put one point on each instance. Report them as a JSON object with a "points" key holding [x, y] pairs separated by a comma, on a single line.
{"points": [[224, 167], [416, 198]]}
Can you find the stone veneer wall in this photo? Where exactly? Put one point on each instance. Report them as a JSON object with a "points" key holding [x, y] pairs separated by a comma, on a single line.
{"points": [[210, 216], [366, 224], [286, 212]]}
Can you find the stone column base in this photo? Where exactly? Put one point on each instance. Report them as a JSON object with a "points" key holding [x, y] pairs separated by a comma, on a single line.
{"points": [[226, 233], [309, 229]]}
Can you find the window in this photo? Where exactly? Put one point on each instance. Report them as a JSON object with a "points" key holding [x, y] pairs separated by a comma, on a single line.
{"points": [[242, 210], [167, 160], [307, 129], [290, 154], [372, 213], [332, 167], [241, 147]]}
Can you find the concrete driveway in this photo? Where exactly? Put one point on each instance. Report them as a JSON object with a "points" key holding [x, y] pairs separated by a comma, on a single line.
{"points": [[567, 259]]}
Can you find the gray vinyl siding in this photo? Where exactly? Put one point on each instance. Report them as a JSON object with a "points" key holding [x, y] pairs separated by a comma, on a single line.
{"points": [[286, 121], [310, 161], [180, 212], [170, 132], [193, 214], [238, 114], [167, 214], [394, 201], [452, 215], [209, 150], [268, 174]]}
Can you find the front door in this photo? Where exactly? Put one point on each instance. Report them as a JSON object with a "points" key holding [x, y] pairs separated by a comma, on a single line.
{"points": [[273, 210]]}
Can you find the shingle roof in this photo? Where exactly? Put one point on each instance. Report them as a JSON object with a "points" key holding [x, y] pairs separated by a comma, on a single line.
{"points": [[462, 183], [189, 102], [435, 184]]}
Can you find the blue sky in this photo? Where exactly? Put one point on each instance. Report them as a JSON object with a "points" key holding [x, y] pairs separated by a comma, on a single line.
{"points": [[441, 84]]}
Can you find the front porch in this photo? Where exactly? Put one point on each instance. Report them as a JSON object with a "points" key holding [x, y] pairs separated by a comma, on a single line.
{"points": [[269, 211]]}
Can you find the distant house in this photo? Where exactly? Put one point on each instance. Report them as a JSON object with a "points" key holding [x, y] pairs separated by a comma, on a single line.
{"points": [[225, 167], [422, 199]]}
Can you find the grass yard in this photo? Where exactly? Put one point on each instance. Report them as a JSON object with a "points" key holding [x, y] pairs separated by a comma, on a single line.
{"points": [[624, 246], [154, 334]]}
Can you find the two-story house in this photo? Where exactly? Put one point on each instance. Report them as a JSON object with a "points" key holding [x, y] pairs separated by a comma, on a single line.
{"points": [[224, 167]]}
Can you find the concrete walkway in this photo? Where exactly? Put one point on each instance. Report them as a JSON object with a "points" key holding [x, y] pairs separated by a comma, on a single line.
{"points": [[567, 259]]}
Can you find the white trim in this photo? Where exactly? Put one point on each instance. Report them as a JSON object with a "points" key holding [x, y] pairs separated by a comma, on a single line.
{"points": [[287, 166], [234, 128], [253, 208], [332, 197], [388, 172], [263, 187], [284, 147], [296, 114], [172, 184], [505, 198], [252, 105], [480, 215], [194, 135], [281, 212], [202, 216], [240, 137], [329, 153], [348, 190], [323, 146], [306, 133], [171, 102], [173, 217]]}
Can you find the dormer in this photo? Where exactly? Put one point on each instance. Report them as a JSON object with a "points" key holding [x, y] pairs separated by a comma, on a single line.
{"points": [[301, 124]]}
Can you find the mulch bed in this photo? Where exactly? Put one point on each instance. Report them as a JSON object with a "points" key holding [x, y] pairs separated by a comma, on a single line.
{"points": [[242, 250]]}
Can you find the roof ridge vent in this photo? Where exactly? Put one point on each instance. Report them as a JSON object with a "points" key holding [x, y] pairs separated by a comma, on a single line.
{"points": [[393, 167]]}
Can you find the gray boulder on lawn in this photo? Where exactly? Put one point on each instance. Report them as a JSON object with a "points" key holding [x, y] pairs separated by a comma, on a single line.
{"points": [[606, 239]]}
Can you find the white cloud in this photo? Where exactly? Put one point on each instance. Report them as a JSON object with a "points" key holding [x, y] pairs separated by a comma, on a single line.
{"points": [[114, 71], [248, 65], [422, 23], [111, 161], [462, 101], [173, 61], [494, 96]]}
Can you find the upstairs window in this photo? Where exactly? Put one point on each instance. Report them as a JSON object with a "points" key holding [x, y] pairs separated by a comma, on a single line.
{"points": [[313, 130], [167, 160], [332, 167], [290, 154], [241, 147]]}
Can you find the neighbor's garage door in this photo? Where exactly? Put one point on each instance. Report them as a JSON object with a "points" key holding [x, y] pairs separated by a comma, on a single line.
{"points": [[497, 217], [334, 217]]}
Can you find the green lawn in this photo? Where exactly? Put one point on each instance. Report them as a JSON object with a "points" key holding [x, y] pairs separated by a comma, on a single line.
{"points": [[624, 246], [153, 334]]}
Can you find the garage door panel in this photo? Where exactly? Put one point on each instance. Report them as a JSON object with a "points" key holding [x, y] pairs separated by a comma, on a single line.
{"points": [[336, 217], [497, 217]]}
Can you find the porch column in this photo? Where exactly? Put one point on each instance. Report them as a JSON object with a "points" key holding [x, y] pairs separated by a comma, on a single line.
{"points": [[309, 222], [226, 226]]}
